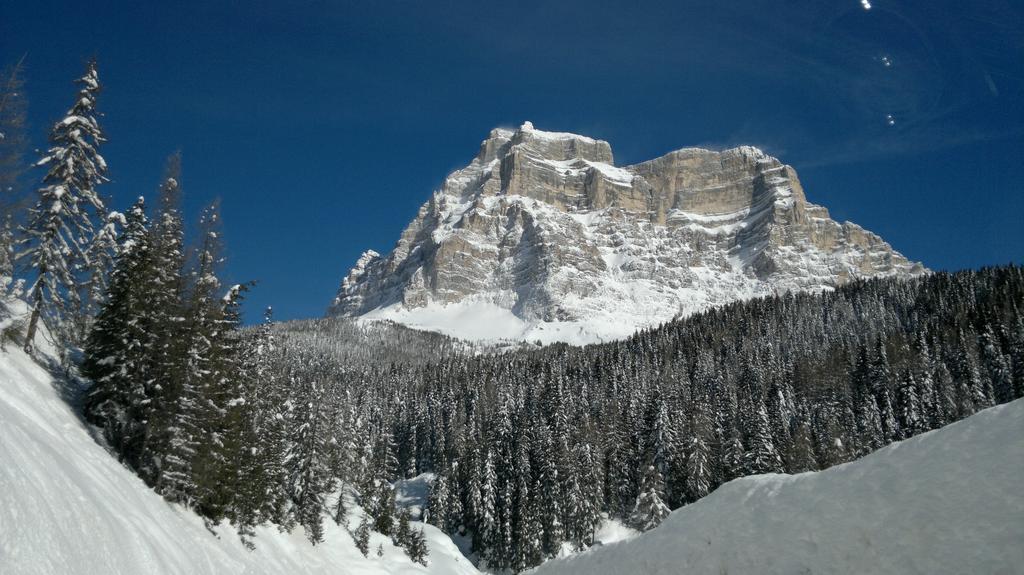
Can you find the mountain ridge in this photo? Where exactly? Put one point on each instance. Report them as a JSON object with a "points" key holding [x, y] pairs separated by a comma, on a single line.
{"points": [[542, 237]]}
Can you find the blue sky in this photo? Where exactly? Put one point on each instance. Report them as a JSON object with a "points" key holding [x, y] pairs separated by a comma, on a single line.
{"points": [[324, 125]]}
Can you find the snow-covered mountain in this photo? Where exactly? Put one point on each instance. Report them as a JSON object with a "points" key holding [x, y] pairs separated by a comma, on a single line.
{"points": [[947, 501], [542, 237]]}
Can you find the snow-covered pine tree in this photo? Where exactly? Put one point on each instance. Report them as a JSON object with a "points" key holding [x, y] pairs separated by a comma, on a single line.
{"points": [[869, 419], [908, 402], [761, 455], [172, 430], [880, 376], [437, 513], [417, 549], [362, 537], [487, 522], [403, 532], [267, 421], [733, 456], [117, 353], [60, 225], [800, 456], [215, 372], [650, 509], [997, 364], [550, 484], [307, 460], [241, 486], [698, 456], [527, 531], [384, 521], [100, 254]]}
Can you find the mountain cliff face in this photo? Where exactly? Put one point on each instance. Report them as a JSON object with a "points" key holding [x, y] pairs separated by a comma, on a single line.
{"points": [[542, 237]]}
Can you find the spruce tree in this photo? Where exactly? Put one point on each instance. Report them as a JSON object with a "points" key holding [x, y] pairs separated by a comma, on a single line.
{"points": [[417, 549], [650, 509], [117, 353], [403, 532], [60, 225], [362, 537], [100, 254], [761, 455]]}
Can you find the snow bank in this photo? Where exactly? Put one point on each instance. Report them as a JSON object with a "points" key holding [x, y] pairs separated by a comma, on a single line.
{"points": [[948, 501], [478, 320], [67, 506]]}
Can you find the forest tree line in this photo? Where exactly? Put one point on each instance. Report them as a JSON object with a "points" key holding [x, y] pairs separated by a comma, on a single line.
{"points": [[531, 450]]}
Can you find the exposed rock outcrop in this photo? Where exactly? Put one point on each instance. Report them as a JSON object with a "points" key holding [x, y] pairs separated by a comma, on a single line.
{"points": [[544, 227]]}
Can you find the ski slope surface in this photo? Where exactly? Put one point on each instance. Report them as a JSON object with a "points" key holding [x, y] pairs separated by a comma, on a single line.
{"points": [[67, 505], [948, 501]]}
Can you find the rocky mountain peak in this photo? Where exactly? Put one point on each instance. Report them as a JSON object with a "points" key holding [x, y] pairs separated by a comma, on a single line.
{"points": [[541, 236]]}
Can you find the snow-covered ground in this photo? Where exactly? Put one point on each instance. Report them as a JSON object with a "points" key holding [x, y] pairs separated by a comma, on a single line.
{"points": [[948, 501], [484, 322], [67, 506]]}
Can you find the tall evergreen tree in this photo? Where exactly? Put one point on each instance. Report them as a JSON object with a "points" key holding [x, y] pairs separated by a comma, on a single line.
{"points": [[116, 350], [60, 225], [650, 509]]}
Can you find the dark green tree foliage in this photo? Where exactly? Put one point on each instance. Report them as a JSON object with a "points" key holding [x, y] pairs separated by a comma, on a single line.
{"points": [[174, 375], [116, 351]]}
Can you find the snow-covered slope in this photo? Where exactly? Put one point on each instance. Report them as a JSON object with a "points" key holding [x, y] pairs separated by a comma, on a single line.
{"points": [[948, 501], [542, 237], [67, 506]]}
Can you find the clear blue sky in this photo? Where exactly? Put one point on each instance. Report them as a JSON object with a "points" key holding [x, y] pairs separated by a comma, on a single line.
{"points": [[324, 125]]}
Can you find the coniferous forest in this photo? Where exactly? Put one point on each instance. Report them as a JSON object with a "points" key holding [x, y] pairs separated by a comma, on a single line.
{"points": [[530, 449]]}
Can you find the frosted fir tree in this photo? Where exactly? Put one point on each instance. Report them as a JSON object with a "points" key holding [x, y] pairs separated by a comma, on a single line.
{"points": [[417, 549], [60, 225], [733, 455], [168, 425], [117, 349], [437, 513], [362, 537], [101, 254], [487, 520], [761, 455], [307, 459], [650, 509], [403, 533], [909, 406]]}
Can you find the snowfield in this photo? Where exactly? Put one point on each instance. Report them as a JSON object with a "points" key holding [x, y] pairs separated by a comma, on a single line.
{"points": [[67, 506], [948, 501]]}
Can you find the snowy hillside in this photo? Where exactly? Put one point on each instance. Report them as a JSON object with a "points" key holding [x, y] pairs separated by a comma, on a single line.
{"points": [[948, 501], [67, 506]]}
